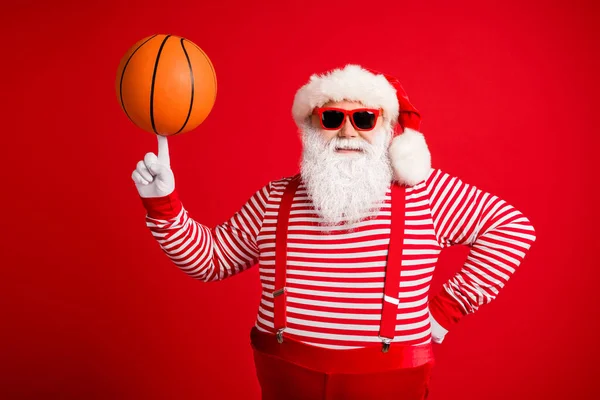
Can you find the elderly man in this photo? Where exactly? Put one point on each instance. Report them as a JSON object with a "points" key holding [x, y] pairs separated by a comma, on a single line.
{"points": [[347, 247]]}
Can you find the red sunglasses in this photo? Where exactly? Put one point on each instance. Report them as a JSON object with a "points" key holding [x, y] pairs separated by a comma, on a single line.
{"points": [[363, 119]]}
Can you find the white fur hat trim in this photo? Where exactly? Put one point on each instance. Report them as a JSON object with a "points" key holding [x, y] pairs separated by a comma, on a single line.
{"points": [[352, 83]]}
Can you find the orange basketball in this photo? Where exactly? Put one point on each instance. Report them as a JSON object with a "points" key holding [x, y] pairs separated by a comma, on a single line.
{"points": [[166, 85]]}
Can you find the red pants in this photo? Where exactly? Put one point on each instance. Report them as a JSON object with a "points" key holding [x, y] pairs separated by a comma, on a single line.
{"points": [[293, 370]]}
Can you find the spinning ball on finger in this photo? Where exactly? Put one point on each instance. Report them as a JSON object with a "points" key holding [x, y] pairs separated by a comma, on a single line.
{"points": [[166, 85]]}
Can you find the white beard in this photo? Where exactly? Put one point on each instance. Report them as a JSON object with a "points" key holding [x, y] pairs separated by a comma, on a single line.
{"points": [[346, 188]]}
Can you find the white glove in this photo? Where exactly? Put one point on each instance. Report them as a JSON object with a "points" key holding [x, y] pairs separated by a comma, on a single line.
{"points": [[437, 331], [153, 176]]}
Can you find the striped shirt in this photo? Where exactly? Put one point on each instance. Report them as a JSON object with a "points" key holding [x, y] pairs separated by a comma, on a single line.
{"points": [[335, 277]]}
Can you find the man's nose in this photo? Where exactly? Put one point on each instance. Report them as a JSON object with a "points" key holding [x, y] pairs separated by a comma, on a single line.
{"points": [[347, 129]]}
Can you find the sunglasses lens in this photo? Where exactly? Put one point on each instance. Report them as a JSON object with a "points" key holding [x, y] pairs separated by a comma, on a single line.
{"points": [[364, 119], [332, 119]]}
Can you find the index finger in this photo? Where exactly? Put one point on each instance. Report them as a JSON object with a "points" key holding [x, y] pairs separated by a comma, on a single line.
{"points": [[163, 151]]}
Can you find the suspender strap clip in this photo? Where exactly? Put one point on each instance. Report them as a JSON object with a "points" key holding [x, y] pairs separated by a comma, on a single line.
{"points": [[386, 344]]}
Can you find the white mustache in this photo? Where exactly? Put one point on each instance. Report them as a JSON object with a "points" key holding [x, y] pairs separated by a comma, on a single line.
{"points": [[348, 144]]}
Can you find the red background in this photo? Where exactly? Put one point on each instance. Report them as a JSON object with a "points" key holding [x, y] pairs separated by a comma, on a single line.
{"points": [[91, 308]]}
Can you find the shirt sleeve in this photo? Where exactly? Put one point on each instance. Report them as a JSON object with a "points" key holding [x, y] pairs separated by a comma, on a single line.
{"points": [[499, 236], [207, 254]]}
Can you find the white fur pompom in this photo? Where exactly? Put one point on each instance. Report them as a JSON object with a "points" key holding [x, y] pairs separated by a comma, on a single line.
{"points": [[410, 157]]}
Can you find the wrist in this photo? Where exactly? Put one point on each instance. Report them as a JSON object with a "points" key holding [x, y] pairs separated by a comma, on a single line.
{"points": [[164, 207], [445, 310]]}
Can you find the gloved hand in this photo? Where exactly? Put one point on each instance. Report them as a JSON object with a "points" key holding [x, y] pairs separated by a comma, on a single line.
{"points": [[153, 176], [437, 331]]}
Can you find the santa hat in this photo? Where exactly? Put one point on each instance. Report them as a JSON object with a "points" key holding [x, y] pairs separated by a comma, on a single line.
{"points": [[409, 154]]}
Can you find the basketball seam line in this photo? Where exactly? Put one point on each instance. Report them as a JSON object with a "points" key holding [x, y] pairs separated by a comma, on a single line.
{"points": [[211, 67], [123, 75], [192, 80], [153, 80]]}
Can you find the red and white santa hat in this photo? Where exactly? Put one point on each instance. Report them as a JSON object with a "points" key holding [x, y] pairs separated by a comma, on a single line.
{"points": [[409, 154]]}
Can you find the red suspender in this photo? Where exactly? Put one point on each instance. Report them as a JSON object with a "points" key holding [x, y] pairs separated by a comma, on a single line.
{"points": [[392, 271], [279, 293]]}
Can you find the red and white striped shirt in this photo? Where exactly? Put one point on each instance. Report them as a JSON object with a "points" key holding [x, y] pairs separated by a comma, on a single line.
{"points": [[335, 278]]}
